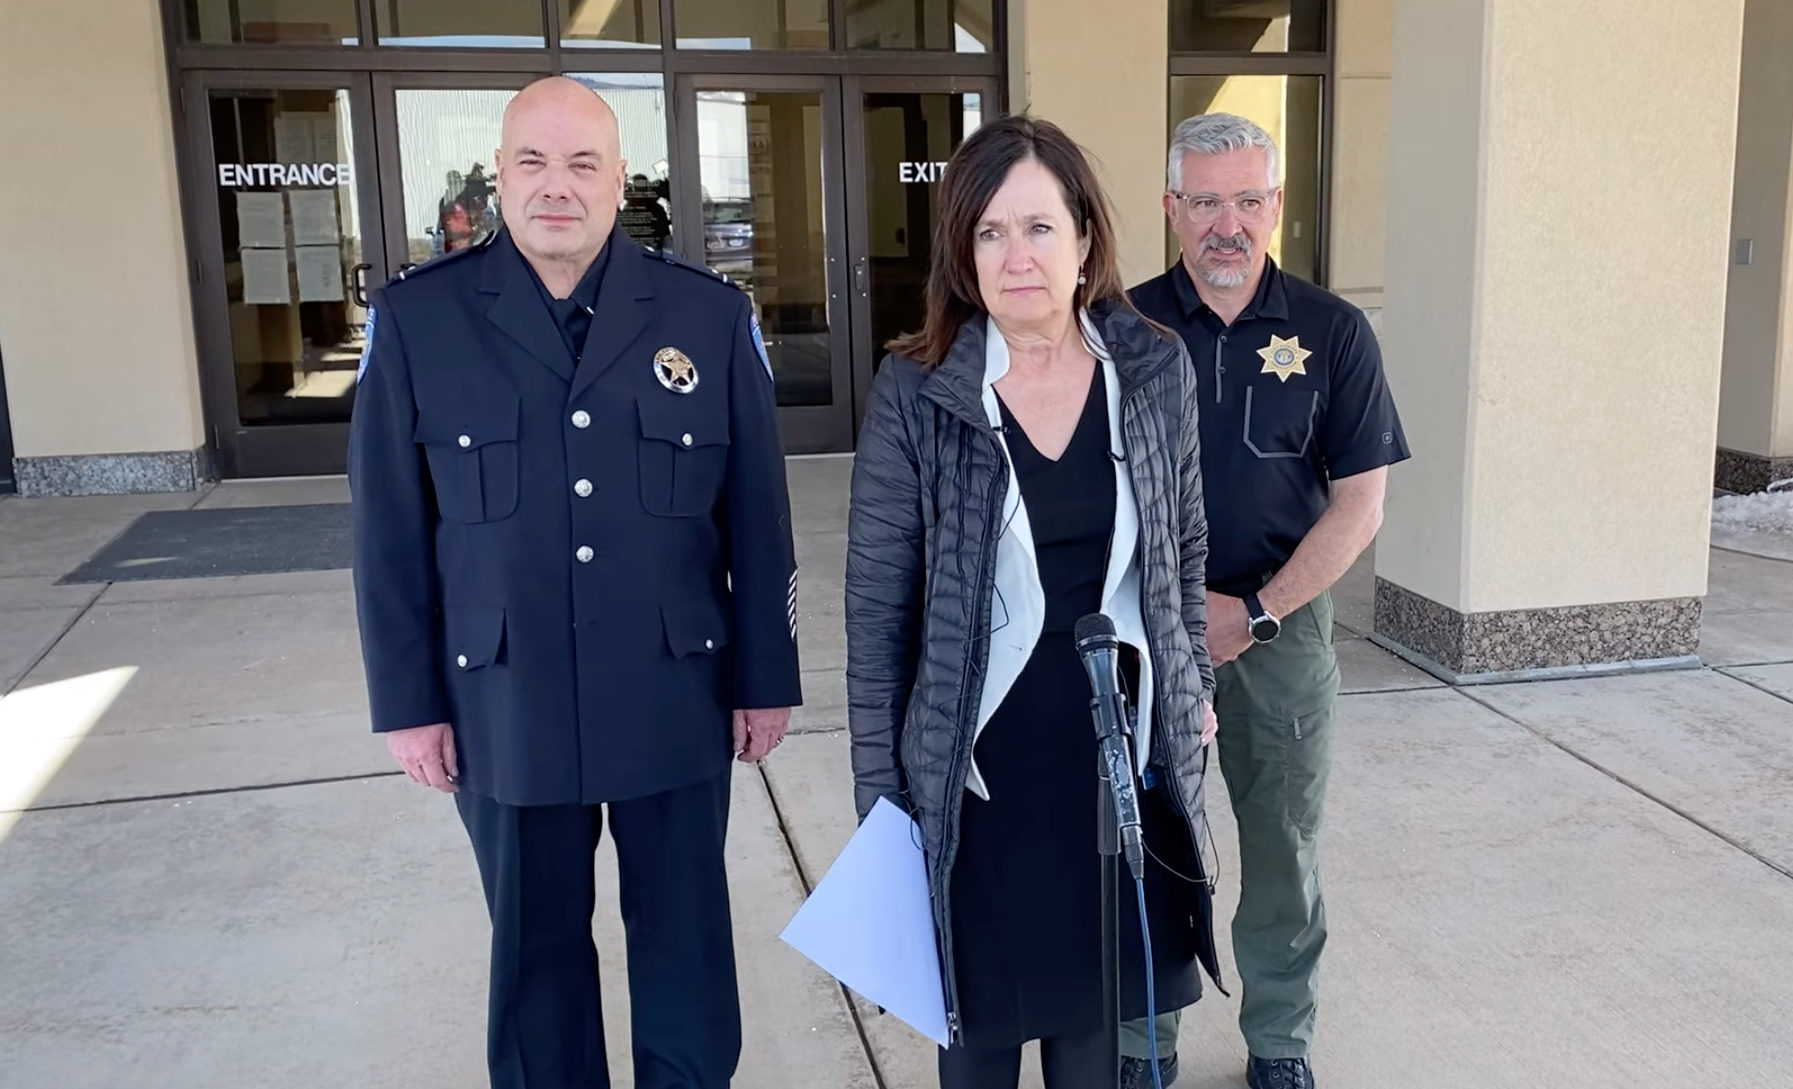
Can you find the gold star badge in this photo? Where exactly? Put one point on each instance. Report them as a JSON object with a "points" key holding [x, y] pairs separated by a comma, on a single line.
{"points": [[1284, 357], [675, 370]]}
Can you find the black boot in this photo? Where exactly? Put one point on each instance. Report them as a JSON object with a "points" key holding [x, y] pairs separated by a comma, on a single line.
{"points": [[1279, 1074], [1137, 1073]]}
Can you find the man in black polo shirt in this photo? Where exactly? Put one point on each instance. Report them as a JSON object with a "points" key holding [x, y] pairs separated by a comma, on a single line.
{"points": [[1298, 429]]}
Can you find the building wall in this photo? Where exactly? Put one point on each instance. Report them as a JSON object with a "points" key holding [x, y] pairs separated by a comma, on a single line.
{"points": [[95, 319], [1357, 234], [1078, 72], [1589, 127], [1553, 335], [1756, 407]]}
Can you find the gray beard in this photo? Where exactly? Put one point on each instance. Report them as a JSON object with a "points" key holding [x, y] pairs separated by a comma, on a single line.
{"points": [[1224, 277]]}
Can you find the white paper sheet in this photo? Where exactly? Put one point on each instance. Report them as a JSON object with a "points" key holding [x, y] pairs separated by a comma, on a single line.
{"points": [[261, 220], [870, 923], [314, 217], [292, 138], [324, 149], [264, 278], [320, 273]]}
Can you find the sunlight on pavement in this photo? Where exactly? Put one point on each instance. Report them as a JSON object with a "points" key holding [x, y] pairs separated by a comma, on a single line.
{"points": [[41, 726]]}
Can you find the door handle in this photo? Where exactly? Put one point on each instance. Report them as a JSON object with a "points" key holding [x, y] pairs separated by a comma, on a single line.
{"points": [[861, 278], [358, 284]]}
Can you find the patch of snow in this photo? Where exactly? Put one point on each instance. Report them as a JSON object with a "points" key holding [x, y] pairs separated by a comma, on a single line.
{"points": [[1771, 510]]}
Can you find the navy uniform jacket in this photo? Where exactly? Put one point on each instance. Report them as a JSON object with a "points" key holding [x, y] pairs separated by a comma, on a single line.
{"points": [[583, 571]]}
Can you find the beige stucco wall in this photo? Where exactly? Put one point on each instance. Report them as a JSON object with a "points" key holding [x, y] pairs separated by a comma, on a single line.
{"points": [[1782, 445], [1078, 72], [95, 321], [1554, 338], [1363, 63], [1754, 414]]}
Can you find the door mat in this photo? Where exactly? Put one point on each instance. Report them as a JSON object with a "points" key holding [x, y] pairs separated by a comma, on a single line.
{"points": [[192, 544]]}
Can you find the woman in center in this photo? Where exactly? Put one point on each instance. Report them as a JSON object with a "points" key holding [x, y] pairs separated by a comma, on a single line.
{"points": [[1029, 457]]}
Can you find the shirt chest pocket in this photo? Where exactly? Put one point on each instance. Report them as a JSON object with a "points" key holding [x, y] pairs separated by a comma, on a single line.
{"points": [[473, 459], [1279, 423], [684, 456]]}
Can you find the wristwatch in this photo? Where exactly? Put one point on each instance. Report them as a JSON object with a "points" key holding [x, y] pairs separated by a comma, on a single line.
{"points": [[1264, 627]]}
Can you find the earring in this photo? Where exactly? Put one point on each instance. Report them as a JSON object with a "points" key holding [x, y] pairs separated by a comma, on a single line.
{"points": [[1081, 278]]}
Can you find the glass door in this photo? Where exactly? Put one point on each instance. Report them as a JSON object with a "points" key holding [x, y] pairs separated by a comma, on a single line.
{"points": [[767, 199], [438, 167], [900, 133], [285, 217]]}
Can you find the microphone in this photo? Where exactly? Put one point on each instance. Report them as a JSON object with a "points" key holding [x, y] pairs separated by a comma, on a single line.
{"points": [[1099, 648]]}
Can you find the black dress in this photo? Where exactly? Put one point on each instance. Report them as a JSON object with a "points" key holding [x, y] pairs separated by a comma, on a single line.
{"points": [[1026, 883]]}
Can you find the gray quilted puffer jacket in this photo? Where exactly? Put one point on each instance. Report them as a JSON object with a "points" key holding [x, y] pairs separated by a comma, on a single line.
{"points": [[929, 481]]}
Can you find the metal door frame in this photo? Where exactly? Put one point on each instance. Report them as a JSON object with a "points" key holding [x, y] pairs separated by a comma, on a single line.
{"points": [[853, 92], [386, 86], [804, 429], [283, 449]]}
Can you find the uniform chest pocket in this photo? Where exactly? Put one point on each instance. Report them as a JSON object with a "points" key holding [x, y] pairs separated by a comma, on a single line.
{"points": [[684, 456], [473, 459], [1279, 423]]}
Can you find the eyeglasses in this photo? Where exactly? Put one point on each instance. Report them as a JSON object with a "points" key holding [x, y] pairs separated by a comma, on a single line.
{"points": [[1206, 207]]}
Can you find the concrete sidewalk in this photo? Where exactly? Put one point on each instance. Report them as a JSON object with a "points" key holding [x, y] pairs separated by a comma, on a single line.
{"points": [[210, 878]]}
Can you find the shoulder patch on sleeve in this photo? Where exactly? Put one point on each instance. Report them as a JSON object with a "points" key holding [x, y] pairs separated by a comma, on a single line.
{"points": [[367, 349], [759, 341]]}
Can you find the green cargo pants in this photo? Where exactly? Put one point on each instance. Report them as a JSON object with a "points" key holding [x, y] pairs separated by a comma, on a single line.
{"points": [[1276, 707]]}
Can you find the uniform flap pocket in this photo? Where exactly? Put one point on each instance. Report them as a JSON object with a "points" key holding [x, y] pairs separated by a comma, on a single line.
{"points": [[685, 425], [474, 636], [695, 627], [469, 428]]}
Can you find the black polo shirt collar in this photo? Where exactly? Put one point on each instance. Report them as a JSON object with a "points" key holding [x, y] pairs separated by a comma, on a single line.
{"points": [[1271, 300]]}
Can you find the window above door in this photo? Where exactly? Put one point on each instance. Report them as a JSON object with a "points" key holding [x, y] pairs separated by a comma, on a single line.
{"points": [[615, 26]]}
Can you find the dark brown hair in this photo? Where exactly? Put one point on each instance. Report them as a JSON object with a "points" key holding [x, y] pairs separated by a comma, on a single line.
{"points": [[973, 175]]}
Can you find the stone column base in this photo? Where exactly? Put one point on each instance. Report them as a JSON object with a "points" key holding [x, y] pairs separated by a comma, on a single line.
{"points": [[112, 474], [1746, 474], [1534, 644]]}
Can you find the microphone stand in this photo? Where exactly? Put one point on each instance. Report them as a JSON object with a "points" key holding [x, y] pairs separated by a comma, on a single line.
{"points": [[1108, 848]]}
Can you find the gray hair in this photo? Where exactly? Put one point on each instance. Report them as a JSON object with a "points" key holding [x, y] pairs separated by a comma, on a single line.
{"points": [[1214, 133]]}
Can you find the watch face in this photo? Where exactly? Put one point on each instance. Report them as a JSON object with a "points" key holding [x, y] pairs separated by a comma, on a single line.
{"points": [[1265, 630]]}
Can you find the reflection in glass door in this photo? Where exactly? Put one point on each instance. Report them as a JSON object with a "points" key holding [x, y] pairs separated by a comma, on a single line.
{"points": [[905, 138], [440, 180], [286, 258], [768, 202]]}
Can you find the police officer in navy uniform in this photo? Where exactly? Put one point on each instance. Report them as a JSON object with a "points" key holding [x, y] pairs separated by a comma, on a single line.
{"points": [[577, 592]]}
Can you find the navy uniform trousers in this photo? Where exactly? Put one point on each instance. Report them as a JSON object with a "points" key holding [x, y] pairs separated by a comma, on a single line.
{"points": [[545, 1023]]}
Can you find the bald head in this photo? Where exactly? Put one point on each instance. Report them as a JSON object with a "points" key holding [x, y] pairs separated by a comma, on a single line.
{"points": [[567, 101], [560, 174]]}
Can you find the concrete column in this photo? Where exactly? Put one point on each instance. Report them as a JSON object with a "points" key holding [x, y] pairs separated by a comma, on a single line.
{"points": [[1077, 72], [1558, 213], [1363, 62], [1755, 408], [95, 320]]}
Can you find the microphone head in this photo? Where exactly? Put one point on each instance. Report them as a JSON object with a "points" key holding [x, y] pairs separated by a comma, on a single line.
{"points": [[1095, 631]]}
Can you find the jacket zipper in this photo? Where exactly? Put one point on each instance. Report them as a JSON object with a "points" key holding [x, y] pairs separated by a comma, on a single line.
{"points": [[1171, 792], [943, 917]]}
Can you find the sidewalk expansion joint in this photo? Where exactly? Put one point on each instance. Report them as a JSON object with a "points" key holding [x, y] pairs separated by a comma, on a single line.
{"points": [[1726, 672], [809, 884], [1633, 787], [54, 643], [183, 795]]}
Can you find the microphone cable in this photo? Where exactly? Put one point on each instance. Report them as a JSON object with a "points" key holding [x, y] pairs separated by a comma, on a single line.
{"points": [[1145, 934]]}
